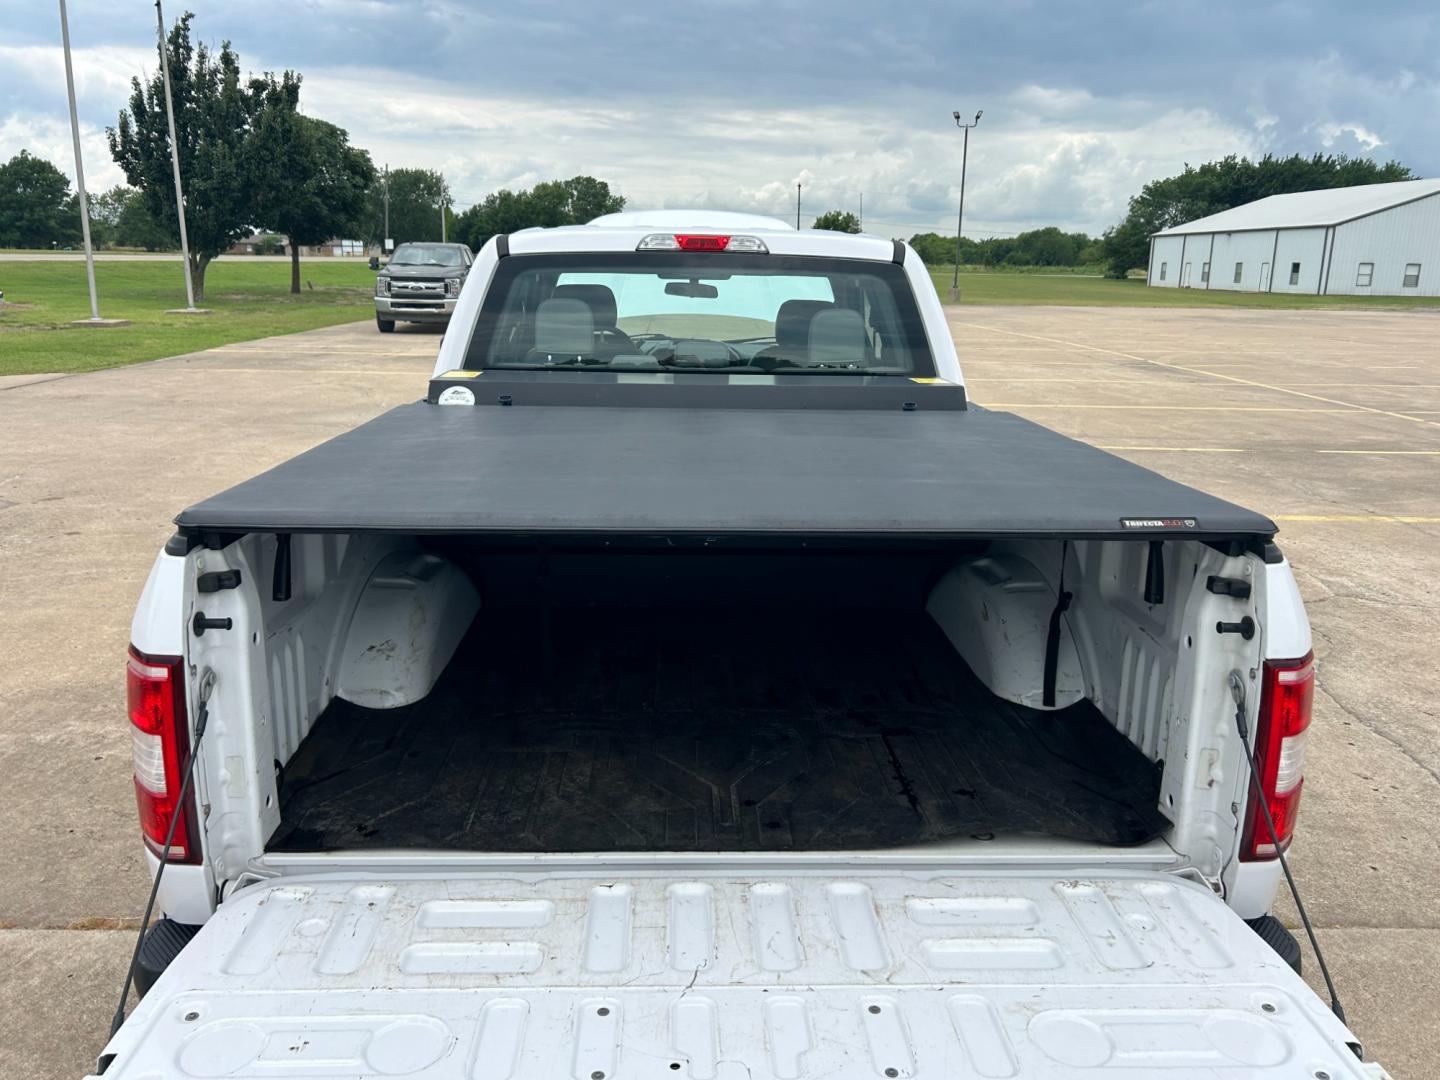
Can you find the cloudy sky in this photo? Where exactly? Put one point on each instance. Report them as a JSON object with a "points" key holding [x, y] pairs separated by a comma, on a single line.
{"points": [[729, 103]]}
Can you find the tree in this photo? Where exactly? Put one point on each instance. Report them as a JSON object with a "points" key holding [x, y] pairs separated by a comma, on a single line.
{"points": [[37, 209], [308, 181], [1229, 182], [415, 198], [933, 249], [1037, 247], [137, 227], [546, 205], [120, 218], [213, 112], [837, 221], [105, 211], [590, 198], [1047, 247]]}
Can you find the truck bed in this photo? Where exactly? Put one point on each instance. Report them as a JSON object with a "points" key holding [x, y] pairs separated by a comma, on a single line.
{"points": [[720, 729]]}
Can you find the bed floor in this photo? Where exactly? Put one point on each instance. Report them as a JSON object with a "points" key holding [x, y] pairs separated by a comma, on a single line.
{"points": [[718, 730]]}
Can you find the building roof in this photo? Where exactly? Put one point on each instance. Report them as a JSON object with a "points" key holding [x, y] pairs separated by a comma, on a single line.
{"points": [[1309, 209]]}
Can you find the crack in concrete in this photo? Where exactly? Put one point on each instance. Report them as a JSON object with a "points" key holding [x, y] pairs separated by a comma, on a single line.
{"points": [[1376, 729]]}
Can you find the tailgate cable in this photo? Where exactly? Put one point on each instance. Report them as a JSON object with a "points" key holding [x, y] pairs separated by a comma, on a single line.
{"points": [[1237, 691], [1052, 636], [207, 683]]}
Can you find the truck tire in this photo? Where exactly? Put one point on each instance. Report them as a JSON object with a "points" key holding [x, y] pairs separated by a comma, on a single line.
{"points": [[387, 326], [1273, 932]]}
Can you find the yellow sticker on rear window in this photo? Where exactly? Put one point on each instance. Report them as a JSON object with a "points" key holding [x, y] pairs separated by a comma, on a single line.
{"points": [[459, 374], [932, 382]]}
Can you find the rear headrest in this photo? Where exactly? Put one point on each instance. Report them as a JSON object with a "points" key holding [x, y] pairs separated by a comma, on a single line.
{"points": [[837, 336], [792, 321], [564, 327], [599, 297]]}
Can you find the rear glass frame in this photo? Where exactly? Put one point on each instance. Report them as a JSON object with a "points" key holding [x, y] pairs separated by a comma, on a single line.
{"points": [[890, 274]]}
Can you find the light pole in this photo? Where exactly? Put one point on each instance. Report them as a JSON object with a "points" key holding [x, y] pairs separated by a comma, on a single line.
{"points": [[189, 308], [385, 244], [797, 205], [960, 225], [94, 319]]}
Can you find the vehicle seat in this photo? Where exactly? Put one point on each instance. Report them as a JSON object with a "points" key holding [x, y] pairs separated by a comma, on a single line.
{"points": [[564, 330], [837, 337], [601, 301], [792, 334]]}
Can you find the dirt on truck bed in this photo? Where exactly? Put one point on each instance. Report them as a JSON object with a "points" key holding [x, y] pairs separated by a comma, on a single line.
{"points": [[716, 730]]}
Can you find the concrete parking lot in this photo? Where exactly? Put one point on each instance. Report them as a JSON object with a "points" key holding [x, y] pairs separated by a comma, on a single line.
{"points": [[1327, 421]]}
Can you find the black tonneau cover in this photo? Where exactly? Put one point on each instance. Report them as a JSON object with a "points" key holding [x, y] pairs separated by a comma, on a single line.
{"points": [[587, 471]]}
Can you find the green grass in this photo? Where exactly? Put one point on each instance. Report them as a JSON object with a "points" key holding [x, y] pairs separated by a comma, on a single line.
{"points": [[1068, 289], [248, 300]]}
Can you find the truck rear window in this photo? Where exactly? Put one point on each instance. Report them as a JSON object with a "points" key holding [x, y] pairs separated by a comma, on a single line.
{"points": [[691, 311]]}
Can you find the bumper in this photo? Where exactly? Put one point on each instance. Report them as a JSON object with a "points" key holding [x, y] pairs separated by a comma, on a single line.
{"points": [[407, 310]]}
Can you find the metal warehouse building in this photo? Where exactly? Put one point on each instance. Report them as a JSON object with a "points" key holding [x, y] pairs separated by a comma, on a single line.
{"points": [[1373, 240]]}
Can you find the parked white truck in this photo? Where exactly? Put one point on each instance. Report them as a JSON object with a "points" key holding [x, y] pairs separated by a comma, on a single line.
{"points": [[696, 684]]}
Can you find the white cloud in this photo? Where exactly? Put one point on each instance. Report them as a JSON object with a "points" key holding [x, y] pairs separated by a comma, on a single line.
{"points": [[102, 73], [1041, 156], [49, 137], [34, 114], [1330, 134], [674, 107]]}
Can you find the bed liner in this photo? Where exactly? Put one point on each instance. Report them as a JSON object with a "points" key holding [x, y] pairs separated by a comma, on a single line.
{"points": [[717, 473], [713, 730]]}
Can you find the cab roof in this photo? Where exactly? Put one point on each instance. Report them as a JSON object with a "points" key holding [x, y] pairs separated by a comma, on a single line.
{"points": [[624, 231]]}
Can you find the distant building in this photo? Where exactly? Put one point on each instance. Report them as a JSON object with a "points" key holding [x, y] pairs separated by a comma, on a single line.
{"points": [[1372, 240], [272, 244]]}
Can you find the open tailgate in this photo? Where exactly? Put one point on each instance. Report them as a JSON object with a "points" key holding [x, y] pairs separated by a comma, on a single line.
{"points": [[719, 975]]}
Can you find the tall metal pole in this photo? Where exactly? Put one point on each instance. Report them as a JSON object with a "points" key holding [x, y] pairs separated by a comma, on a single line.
{"points": [[797, 206], [384, 240], [442, 209], [862, 212], [79, 165], [960, 224], [174, 155]]}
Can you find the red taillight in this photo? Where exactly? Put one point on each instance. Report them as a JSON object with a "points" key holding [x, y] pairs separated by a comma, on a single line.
{"points": [[1285, 701], [156, 697], [700, 242]]}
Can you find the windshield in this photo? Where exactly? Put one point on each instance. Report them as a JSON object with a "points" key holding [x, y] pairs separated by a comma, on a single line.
{"points": [[426, 255], [677, 311]]}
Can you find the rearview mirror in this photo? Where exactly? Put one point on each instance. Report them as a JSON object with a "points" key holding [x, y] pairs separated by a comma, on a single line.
{"points": [[694, 289]]}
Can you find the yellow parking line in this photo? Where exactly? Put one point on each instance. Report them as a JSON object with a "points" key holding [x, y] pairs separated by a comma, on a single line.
{"points": [[1202, 371], [1357, 519], [1180, 449], [1270, 450], [1382, 385], [1157, 408], [317, 371]]}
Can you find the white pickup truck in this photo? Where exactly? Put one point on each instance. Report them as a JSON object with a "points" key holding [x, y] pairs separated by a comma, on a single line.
{"points": [[696, 684]]}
